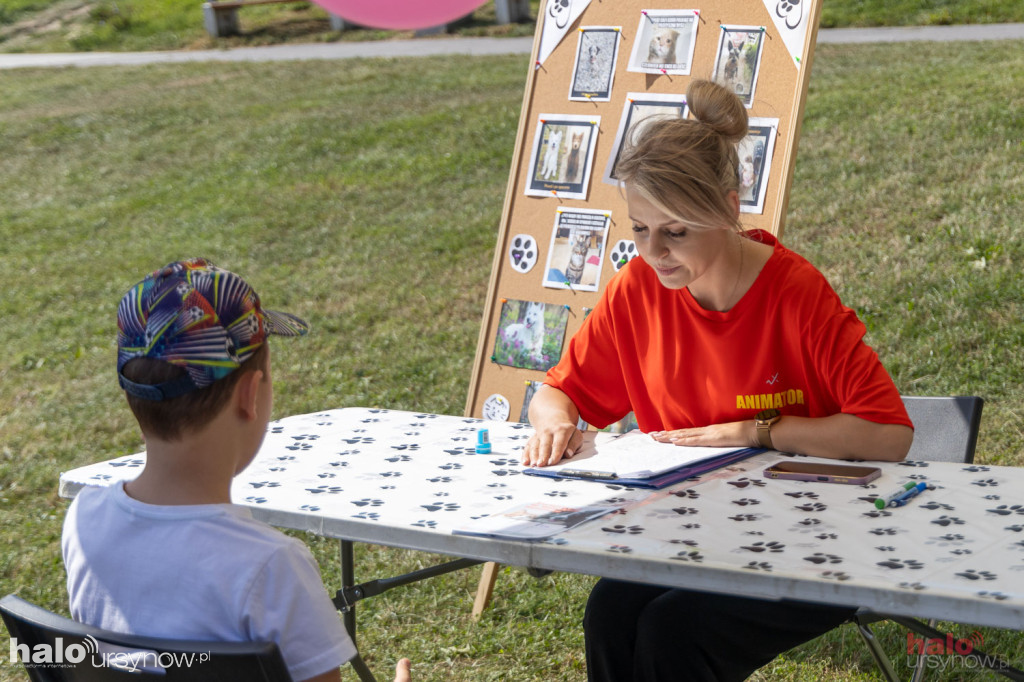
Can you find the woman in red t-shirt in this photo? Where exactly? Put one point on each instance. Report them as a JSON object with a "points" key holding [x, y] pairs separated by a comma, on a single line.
{"points": [[717, 337]]}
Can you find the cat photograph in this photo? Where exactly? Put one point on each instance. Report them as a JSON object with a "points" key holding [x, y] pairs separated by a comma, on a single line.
{"points": [[665, 42]]}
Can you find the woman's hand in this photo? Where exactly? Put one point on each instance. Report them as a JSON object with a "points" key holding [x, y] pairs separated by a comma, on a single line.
{"points": [[733, 434], [552, 443], [554, 417]]}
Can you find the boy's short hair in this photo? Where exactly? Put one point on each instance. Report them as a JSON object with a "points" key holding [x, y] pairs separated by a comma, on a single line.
{"points": [[184, 330], [169, 419]]}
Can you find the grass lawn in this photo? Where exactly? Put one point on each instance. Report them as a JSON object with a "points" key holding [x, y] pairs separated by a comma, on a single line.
{"points": [[127, 25], [365, 197]]}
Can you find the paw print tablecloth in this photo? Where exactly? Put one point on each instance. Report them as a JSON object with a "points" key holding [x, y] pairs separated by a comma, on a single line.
{"points": [[956, 552]]}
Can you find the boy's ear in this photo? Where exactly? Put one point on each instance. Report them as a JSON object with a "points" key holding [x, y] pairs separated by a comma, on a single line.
{"points": [[246, 394]]}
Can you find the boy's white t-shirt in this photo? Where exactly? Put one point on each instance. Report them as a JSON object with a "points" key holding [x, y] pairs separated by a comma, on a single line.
{"points": [[207, 572]]}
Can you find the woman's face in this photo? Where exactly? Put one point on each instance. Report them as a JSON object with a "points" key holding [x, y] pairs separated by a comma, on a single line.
{"points": [[680, 255]]}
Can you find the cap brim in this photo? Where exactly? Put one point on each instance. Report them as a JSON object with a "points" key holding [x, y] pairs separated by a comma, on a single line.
{"points": [[284, 324]]}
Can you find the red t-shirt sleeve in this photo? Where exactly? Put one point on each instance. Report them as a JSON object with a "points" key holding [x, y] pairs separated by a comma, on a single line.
{"points": [[847, 367], [590, 371]]}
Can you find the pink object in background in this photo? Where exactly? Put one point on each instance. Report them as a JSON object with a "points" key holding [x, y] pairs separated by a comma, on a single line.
{"points": [[400, 14]]}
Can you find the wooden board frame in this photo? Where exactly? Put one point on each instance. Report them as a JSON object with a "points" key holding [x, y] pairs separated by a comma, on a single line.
{"points": [[780, 93]]}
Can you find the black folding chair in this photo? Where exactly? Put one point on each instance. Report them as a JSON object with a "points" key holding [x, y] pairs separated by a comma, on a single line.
{"points": [[57, 649]]}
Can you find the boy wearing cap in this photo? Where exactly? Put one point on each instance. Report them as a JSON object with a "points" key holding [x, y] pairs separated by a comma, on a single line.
{"points": [[167, 554]]}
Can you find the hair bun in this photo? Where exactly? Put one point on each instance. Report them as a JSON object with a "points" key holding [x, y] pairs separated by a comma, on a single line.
{"points": [[718, 108]]}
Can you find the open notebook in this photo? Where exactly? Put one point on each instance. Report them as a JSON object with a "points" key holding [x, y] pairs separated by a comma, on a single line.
{"points": [[636, 459]]}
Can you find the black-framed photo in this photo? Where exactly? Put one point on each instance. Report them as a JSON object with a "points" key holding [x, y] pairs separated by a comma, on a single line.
{"points": [[562, 155], [639, 109], [739, 60], [597, 52], [576, 253], [755, 158], [530, 334], [664, 43]]}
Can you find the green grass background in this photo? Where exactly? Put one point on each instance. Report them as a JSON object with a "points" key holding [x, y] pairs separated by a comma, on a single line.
{"points": [[84, 25], [365, 196]]}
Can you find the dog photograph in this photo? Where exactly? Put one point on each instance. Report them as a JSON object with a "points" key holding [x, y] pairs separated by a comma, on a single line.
{"points": [[530, 334], [640, 109], [596, 55], [755, 159], [738, 60], [578, 241], [562, 155], [665, 42]]}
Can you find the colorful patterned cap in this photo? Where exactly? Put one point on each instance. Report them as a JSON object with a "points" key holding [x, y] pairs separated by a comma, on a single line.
{"points": [[199, 317]]}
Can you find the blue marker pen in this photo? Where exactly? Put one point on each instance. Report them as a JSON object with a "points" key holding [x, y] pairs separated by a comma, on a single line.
{"points": [[883, 502], [907, 496], [483, 442]]}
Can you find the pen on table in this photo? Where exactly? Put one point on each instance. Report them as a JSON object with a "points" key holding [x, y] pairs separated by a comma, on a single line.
{"points": [[911, 493], [595, 475], [882, 502]]}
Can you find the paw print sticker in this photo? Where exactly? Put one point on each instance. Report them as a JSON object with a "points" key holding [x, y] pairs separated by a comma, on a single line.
{"points": [[972, 574], [425, 524], [358, 440], [812, 507], [691, 555], [1006, 510], [912, 586], [689, 494], [366, 501], [948, 521], [631, 530], [772, 546], [790, 10], [912, 564], [522, 253], [438, 506], [623, 252], [744, 482], [320, 489], [684, 511], [746, 501], [744, 517], [835, 575], [620, 549], [759, 566], [821, 558]]}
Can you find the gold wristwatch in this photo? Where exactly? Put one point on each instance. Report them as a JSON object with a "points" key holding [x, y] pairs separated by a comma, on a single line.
{"points": [[764, 420]]}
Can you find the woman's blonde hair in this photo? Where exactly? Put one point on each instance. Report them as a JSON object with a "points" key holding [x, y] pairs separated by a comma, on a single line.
{"points": [[688, 167]]}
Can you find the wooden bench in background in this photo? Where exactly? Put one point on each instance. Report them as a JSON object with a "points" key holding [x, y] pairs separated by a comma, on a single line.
{"points": [[220, 17]]}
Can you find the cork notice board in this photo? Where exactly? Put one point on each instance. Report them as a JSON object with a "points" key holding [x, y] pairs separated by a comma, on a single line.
{"points": [[599, 66]]}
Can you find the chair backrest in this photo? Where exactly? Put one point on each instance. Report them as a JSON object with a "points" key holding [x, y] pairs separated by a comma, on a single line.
{"points": [[58, 649], [945, 428]]}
